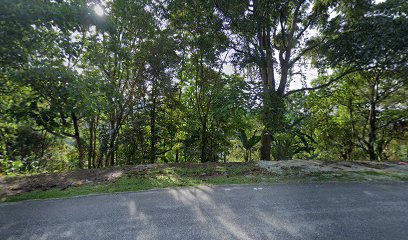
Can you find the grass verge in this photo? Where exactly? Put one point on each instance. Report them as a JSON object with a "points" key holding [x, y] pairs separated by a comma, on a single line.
{"points": [[179, 175]]}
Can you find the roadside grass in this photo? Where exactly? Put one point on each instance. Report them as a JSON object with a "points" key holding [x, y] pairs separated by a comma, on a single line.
{"points": [[358, 176], [187, 175]]}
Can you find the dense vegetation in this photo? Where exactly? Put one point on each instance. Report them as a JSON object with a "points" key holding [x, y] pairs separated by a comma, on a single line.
{"points": [[90, 84]]}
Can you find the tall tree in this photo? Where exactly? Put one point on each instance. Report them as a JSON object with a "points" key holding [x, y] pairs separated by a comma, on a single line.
{"points": [[273, 36], [373, 38], [45, 44], [203, 44]]}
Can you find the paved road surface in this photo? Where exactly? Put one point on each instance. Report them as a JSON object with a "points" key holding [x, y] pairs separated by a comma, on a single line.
{"points": [[287, 211]]}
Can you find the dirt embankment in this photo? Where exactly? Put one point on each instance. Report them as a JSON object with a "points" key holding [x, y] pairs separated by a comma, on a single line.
{"points": [[20, 184], [292, 168], [310, 166]]}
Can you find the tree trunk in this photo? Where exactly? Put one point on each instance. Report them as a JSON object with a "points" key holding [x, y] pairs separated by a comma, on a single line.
{"points": [[110, 158], [268, 89], [112, 153], [94, 143], [91, 138], [372, 120], [246, 155], [204, 142], [266, 67], [81, 153], [212, 146], [266, 142], [350, 141], [153, 137], [116, 149], [372, 133], [185, 151]]}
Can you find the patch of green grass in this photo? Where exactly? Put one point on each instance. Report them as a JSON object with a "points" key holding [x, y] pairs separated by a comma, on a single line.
{"points": [[121, 185], [193, 175], [362, 176], [161, 177], [384, 175]]}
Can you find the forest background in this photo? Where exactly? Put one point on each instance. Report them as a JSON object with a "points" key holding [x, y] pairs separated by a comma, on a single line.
{"points": [[91, 84]]}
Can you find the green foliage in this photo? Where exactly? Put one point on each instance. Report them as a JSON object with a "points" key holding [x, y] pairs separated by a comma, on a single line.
{"points": [[146, 82], [368, 36], [340, 121], [248, 144], [182, 175]]}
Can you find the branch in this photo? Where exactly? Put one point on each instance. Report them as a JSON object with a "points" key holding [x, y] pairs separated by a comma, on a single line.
{"points": [[307, 25], [303, 52], [163, 152], [238, 50], [352, 70], [47, 129], [295, 18]]}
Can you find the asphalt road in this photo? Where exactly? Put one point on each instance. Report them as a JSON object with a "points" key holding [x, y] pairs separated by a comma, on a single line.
{"points": [[286, 211]]}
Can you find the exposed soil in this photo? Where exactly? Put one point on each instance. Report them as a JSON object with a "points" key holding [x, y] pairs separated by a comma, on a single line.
{"points": [[20, 184], [310, 166], [42, 182], [203, 171]]}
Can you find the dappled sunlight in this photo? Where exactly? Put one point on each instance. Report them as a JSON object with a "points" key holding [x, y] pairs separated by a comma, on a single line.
{"points": [[238, 212], [222, 216], [134, 214], [196, 198], [280, 222], [233, 228], [114, 175], [192, 196]]}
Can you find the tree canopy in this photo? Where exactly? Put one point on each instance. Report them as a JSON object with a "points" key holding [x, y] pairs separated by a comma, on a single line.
{"points": [[89, 84]]}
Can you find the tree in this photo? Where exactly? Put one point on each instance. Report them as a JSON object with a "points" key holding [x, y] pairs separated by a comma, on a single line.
{"points": [[273, 37], [372, 38], [202, 45], [42, 53], [356, 118], [120, 53]]}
